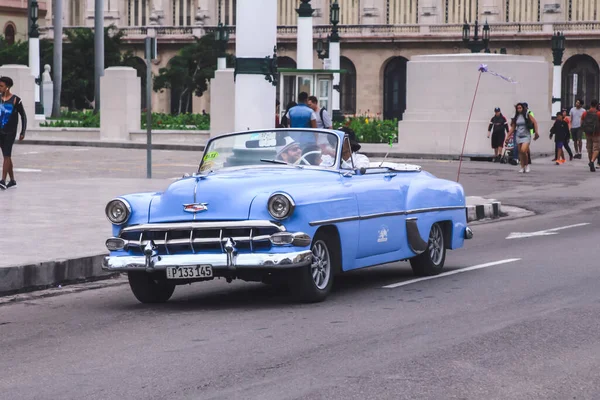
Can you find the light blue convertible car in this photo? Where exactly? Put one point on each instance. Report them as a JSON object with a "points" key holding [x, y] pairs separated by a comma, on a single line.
{"points": [[284, 206]]}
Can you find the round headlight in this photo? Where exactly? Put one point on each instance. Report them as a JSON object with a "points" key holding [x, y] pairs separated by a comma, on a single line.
{"points": [[280, 206], [118, 211]]}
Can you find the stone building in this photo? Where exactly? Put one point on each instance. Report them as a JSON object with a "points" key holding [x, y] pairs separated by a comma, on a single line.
{"points": [[14, 19], [378, 38]]}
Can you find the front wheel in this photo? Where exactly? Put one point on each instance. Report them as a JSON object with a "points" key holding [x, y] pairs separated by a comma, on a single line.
{"points": [[431, 261], [149, 290], [313, 282]]}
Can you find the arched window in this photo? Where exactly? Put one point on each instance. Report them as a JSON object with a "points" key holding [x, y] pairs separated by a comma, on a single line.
{"points": [[394, 88], [580, 77], [9, 33], [347, 87]]}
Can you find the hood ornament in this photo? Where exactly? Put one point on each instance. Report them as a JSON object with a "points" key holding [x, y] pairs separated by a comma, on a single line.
{"points": [[195, 207]]}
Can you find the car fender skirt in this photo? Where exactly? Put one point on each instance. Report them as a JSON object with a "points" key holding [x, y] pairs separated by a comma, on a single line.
{"points": [[417, 245]]}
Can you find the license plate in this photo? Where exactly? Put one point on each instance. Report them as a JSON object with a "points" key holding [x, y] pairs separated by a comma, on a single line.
{"points": [[198, 271]]}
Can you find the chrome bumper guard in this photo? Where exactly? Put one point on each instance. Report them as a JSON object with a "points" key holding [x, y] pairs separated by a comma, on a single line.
{"points": [[468, 233], [229, 261]]}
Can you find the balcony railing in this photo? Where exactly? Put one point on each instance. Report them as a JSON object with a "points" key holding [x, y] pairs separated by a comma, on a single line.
{"points": [[364, 32]]}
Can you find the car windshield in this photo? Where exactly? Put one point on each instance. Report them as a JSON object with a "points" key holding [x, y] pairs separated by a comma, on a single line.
{"points": [[279, 146]]}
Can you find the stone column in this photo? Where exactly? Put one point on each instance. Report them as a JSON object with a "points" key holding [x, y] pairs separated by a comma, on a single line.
{"points": [[24, 87], [120, 96], [256, 38], [222, 96], [305, 36]]}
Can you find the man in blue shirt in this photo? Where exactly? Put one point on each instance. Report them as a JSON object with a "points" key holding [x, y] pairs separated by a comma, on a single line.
{"points": [[302, 116]]}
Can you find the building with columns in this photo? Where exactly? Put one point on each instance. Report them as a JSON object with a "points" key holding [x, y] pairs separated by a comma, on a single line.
{"points": [[378, 37]]}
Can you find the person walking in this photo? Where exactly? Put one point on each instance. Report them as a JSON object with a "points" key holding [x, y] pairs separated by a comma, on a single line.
{"points": [[520, 125], [590, 125], [324, 120], [575, 114], [497, 128], [560, 131], [11, 107]]}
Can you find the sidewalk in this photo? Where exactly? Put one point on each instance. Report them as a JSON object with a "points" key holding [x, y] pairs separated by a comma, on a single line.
{"points": [[53, 231], [368, 149]]}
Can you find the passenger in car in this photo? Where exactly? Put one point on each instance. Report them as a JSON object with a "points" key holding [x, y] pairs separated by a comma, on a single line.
{"points": [[350, 157]]}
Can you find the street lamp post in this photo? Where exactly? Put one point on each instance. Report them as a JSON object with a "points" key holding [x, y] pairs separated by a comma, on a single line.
{"points": [[34, 57], [477, 43], [334, 57], [222, 38], [558, 49], [322, 53]]}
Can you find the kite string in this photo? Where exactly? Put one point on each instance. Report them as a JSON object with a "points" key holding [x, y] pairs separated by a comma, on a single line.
{"points": [[468, 122]]}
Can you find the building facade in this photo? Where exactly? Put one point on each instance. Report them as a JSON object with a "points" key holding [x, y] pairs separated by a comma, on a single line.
{"points": [[14, 19], [378, 37]]}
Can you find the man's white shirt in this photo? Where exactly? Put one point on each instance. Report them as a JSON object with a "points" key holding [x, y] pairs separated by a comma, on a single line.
{"points": [[359, 161]]}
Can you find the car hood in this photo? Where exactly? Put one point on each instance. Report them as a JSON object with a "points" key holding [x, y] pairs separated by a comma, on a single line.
{"points": [[229, 194]]}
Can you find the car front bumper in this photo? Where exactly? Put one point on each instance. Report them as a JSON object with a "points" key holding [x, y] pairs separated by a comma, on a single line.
{"points": [[228, 262]]}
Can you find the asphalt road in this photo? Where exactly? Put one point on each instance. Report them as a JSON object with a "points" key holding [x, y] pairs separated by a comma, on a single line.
{"points": [[502, 329], [525, 329]]}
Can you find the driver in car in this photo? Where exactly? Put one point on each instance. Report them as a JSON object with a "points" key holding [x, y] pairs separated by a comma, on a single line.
{"points": [[290, 153], [350, 157]]}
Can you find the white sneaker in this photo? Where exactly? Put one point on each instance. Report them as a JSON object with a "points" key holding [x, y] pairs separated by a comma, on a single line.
{"points": [[527, 169], [521, 170]]}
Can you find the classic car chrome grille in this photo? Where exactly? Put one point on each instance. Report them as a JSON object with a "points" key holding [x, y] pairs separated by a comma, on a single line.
{"points": [[173, 238]]}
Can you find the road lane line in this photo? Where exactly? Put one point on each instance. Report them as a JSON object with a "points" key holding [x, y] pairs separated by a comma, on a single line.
{"points": [[457, 271], [546, 232], [27, 170]]}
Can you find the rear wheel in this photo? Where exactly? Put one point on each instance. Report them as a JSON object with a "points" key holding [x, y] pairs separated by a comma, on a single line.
{"points": [[313, 282], [431, 261], [147, 289]]}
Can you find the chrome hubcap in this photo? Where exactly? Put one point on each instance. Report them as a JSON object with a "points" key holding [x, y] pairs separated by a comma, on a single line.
{"points": [[321, 265], [436, 244]]}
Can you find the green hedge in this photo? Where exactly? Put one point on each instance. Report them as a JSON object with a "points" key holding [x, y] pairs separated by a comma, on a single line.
{"points": [[371, 128], [86, 119]]}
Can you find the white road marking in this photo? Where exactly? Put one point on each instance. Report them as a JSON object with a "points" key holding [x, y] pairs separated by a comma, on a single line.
{"points": [[456, 271], [30, 152], [27, 170], [547, 232]]}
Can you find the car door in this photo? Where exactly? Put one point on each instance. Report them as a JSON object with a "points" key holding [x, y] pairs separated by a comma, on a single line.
{"points": [[381, 197]]}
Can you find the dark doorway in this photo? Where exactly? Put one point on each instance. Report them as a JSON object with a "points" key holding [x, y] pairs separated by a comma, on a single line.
{"points": [[580, 75], [394, 88], [140, 67], [288, 82], [347, 87]]}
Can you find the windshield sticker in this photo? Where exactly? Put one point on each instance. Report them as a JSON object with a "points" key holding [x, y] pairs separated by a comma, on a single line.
{"points": [[211, 156], [267, 139]]}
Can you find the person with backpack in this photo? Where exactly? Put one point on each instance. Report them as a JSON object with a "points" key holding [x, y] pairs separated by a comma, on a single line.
{"points": [[285, 119], [520, 127], [11, 107], [324, 120], [590, 126]]}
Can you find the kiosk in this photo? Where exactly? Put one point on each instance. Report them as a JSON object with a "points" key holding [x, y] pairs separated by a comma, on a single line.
{"points": [[315, 82]]}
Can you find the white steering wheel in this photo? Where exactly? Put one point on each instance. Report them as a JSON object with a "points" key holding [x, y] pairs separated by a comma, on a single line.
{"points": [[303, 158]]}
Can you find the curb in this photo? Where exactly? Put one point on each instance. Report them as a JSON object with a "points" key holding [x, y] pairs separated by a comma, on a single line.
{"points": [[479, 212], [24, 278]]}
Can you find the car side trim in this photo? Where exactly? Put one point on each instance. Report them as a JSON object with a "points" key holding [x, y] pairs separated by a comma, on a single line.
{"points": [[385, 214], [416, 244]]}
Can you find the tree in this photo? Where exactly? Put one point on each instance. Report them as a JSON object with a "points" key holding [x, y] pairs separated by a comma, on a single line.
{"points": [[191, 69], [78, 79], [18, 53]]}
